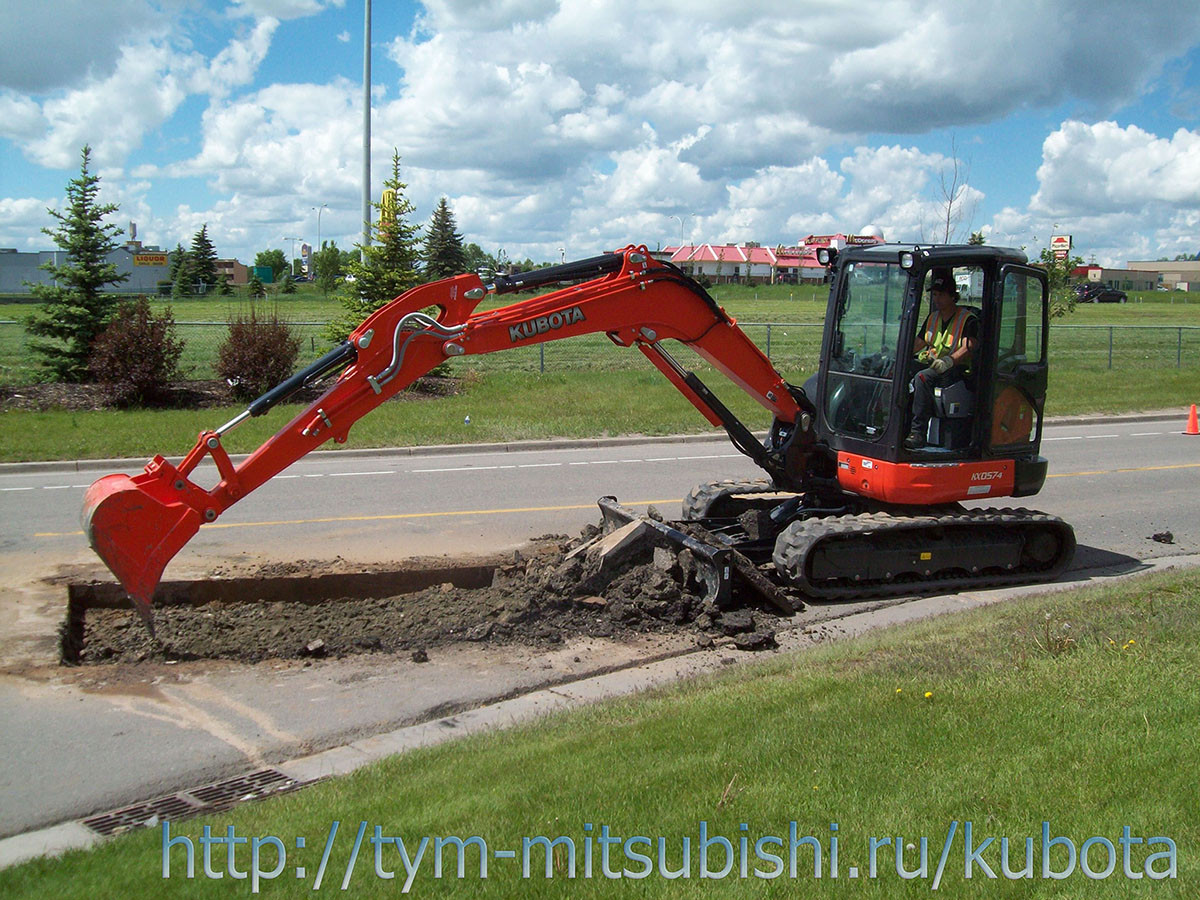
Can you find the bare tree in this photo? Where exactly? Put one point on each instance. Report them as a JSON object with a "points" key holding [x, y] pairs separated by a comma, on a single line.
{"points": [[954, 182]]}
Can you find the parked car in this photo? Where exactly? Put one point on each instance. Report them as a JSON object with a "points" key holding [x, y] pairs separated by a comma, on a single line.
{"points": [[1099, 293]]}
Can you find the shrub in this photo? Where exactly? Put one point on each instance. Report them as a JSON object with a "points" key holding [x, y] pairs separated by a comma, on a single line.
{"points": [[259, 352], [137, 355]]}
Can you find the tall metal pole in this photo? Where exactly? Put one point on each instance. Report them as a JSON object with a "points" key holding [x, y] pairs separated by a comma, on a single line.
{"points": [[366, 173]]}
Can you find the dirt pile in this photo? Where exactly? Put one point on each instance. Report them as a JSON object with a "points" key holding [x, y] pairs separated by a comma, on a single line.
{"points": [[557, 589]]}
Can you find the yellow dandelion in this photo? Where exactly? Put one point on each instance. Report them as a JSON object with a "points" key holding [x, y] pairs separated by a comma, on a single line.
{"points": [[899, 690], [1132, 642], [928, 694]]}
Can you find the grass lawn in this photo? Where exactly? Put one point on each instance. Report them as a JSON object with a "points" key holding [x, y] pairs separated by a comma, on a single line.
{"points": [[585, 387], [1076, 709]]}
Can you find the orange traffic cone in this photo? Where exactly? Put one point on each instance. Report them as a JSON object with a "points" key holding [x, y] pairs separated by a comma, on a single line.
{"points": [[1192, 426]]}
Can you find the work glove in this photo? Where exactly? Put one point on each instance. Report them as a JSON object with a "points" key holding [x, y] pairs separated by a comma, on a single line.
{"points": [[941, 364]]}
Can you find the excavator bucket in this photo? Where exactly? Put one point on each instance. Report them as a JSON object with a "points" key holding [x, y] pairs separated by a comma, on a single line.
{"points": [[136, 525]]}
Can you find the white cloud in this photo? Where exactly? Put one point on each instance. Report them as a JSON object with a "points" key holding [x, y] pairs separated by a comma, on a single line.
{"points": [[103, 114], [1104, 168], [44, 47], [237, 64], [1121, 191], [282, 9], [22, 220], [592, 122], [20, 118]]}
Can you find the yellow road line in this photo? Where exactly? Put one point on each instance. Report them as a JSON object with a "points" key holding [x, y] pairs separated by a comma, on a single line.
{"points": [[1132, 469], [393, 516]]}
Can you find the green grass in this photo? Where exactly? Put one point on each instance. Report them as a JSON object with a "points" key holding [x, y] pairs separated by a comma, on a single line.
{"points": [[509, 406], [1075, 709], [504, 406], [586, 387]]}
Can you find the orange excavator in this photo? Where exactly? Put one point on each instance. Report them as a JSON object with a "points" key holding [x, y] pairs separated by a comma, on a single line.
{"points": [[845, 509]]}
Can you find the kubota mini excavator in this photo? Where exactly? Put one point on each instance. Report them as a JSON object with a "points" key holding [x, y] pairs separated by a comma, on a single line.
{"points": [[845, 509]]}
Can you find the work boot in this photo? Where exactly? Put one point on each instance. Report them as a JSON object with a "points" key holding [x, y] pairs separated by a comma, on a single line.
{"points": [[914, 441]]}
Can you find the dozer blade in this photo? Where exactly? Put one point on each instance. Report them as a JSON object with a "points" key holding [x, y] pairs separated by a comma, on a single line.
{"points": [[136, 525]]}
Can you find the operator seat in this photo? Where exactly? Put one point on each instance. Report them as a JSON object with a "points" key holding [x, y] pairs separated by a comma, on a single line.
{"points": [[951, 425]]}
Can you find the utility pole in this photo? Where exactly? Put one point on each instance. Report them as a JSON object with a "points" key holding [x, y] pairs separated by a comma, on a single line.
{"points": [[366, 172]]}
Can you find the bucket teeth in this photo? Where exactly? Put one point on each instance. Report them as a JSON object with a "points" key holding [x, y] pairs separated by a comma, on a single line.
{"points": [[136, 525]]}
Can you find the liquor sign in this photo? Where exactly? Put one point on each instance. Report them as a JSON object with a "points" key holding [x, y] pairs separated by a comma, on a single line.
{"points": [[149, 259]]}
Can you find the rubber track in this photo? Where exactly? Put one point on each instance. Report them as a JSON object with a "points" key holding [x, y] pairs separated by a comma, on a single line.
{"points": [[798, 540], [702, 497]]}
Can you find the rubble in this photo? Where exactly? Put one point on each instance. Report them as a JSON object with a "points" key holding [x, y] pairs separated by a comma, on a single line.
{"points": [[613, 585]]}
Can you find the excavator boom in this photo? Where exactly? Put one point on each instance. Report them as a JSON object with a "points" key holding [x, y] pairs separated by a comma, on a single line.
{"points": [[137, 524]]}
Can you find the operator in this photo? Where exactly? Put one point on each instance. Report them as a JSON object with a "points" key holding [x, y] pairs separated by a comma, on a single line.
{"points": [[944, 347]]}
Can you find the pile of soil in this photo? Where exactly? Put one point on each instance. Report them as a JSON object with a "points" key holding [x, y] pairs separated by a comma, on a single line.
{"points": [[540, 598], [182, 394]]}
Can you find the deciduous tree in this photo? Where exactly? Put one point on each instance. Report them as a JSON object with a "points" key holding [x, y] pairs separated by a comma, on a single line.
{"points": [[328, 264], [273, 258]]}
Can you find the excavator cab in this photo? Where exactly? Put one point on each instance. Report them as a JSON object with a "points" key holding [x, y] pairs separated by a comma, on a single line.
{"points": [[987, 422]]}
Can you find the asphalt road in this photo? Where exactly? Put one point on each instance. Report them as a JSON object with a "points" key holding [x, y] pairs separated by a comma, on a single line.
{"points": [[1117, 483], [69, 749]]}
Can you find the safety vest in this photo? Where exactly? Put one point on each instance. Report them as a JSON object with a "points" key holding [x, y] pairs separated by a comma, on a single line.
{"points": [[946, 338]]}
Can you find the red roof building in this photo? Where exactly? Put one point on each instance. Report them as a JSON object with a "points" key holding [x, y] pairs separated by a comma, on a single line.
{"points": [[749, 263]]}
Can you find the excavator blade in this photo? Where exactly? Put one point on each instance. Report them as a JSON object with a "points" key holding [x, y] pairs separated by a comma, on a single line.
{"points": [[136, 525]]}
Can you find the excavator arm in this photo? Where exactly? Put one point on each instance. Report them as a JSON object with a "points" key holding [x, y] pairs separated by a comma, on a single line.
{"points": [[137, 524]]}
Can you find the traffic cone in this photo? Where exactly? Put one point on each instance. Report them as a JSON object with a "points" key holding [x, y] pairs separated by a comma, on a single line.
{"points": [[1192, 426]]}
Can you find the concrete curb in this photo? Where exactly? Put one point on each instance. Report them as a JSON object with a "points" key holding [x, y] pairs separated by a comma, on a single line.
{"points": [[56, 839], [136, 463]]}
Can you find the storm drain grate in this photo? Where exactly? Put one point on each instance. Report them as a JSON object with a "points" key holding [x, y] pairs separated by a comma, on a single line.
{"points": [[258, 784], [170, 808], [209, 798]]}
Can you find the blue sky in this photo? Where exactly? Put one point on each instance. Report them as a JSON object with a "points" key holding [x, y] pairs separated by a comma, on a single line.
{"points": [[589, 124]]}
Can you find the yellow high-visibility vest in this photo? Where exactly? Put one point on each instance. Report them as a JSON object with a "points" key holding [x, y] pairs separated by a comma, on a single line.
{"points": [[946, 338]]}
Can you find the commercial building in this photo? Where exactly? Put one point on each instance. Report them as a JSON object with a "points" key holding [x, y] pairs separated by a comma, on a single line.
{"points": [[1118, 279], [1174, 275], [752, 263], [146, 266]]}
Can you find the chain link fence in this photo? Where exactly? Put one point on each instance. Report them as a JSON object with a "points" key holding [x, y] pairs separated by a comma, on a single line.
{"points": [[792, 347]]}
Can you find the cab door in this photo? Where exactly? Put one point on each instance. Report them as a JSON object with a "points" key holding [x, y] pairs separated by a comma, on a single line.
{"points": [[1018, 383]]}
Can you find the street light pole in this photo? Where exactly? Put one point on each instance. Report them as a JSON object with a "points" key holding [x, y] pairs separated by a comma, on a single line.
{"points": [[680, 219], [366, 146], [292, 269], [320, 209]]}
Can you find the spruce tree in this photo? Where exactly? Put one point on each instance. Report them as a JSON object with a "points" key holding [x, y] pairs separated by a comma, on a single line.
{"points": [[389, 265], [443, 255], [203, 257], [75, 309], [183, 274]]}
